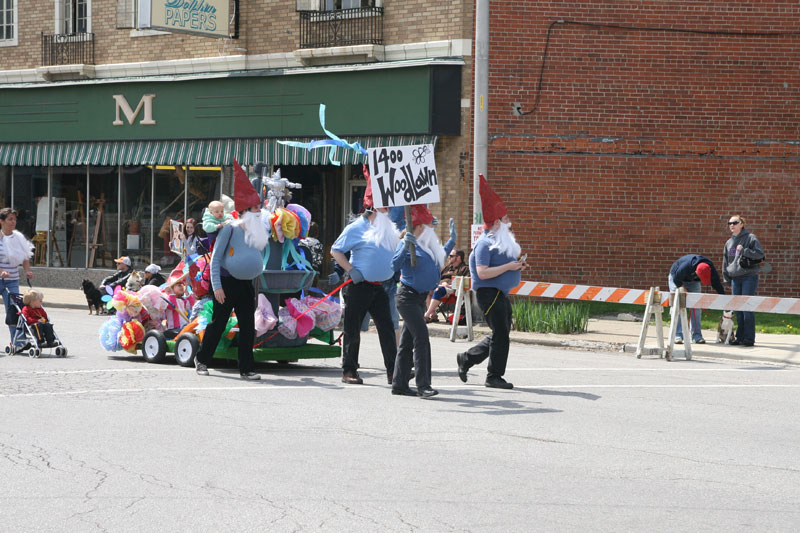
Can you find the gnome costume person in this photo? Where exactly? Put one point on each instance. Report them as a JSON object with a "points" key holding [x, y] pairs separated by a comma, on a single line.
{"points": [[495, 267], [371, 240], [235, 262], [415, 283]]}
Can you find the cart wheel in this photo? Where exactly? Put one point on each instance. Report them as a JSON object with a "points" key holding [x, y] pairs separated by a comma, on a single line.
{"points": [[33, 352], [60, 352], [186, 347], [154, 347], [9, 350], [63, 352]]}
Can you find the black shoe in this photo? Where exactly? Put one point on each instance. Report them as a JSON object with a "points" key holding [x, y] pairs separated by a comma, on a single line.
{"points": [[351, 377], [747, 343], [700, 341], [427, 392], [463, 366], [735, 342], [250, 376], [403, 392], [200, 368], [496, 382]]}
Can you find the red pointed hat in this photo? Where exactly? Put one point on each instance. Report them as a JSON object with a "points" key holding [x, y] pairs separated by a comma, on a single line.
{"points": [[420, 214], [492, 206], [244, 194], [368, 193]]}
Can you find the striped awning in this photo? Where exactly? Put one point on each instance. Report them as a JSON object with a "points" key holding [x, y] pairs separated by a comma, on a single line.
{"points": [[198, 152]]}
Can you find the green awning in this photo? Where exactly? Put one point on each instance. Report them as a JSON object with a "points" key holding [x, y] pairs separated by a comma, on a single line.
{"points": [[214, 152]]}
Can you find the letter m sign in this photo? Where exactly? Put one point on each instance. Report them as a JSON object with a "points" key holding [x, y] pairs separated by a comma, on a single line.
{"points": [[146, 102]]}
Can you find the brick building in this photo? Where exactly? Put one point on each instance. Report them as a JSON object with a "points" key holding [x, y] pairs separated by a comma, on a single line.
{"points": [[146, 122], [652, 124]]}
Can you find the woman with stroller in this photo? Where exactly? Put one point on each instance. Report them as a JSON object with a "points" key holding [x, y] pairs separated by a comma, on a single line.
{"points": [[15, 250]]}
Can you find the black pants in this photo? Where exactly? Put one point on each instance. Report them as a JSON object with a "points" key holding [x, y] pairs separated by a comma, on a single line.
{"points": [[240, 297], [411, 306], [359, 299], [44, 332], [496, 308]]}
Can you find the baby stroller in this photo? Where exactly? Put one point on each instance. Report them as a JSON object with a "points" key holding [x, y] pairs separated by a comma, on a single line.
{"points": [[25, 337]]}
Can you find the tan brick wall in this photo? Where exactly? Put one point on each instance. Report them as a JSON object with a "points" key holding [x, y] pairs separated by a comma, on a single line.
{"points": [[266, 26]]}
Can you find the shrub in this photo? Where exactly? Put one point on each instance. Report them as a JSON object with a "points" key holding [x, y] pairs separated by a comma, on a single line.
{"points": [[550, 317]]}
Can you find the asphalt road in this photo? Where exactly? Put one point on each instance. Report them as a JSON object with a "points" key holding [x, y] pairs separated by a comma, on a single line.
{"points": [[585, 441]]}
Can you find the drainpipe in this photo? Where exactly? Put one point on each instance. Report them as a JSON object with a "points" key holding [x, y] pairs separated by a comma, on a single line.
{"points": [[480, 103]]}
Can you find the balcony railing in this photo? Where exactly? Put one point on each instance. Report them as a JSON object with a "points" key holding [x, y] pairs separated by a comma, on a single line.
{"points": [[342, 27], [68, 49]]}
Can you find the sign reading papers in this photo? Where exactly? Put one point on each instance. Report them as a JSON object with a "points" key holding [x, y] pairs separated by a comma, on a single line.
{"points": [[403, 175]]}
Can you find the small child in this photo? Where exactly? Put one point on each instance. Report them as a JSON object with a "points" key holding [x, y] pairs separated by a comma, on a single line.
{"points": [[180, 305], [214, 217], [36, 317]]}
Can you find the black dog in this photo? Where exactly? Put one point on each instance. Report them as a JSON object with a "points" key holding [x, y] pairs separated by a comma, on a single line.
{"points": [[93, 297]]}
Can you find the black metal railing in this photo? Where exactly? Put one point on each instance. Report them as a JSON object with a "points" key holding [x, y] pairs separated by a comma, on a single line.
{"points": [[68, 49], [342, 27]]}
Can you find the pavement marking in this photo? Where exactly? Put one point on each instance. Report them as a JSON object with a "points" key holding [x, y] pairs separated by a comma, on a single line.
{"points": [[674, 368], [256, 387]]}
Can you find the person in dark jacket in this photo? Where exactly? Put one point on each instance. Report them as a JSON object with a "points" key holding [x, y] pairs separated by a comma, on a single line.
{"points": [[120, 277], [152, 276], [742, 260], [691, 271]]}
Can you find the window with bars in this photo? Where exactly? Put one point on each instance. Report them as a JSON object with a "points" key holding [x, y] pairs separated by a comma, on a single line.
{"points": [[8, 22]]}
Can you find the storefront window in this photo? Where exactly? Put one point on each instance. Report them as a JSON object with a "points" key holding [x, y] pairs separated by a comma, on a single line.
{"points": [[135, 215], [204, 186], [67, 223], [103, 216], [167, 205], [5, 187], [30, 185]]}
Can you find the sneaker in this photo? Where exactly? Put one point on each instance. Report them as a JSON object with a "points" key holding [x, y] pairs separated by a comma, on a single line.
{"points": [[678, 340], [200, 368], [351, 377], [250, 376], [427, 392], [496, 382], [700, 341]]}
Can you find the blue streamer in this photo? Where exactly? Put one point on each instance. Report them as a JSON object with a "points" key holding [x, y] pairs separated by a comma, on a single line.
{"points": [[331, 143]]}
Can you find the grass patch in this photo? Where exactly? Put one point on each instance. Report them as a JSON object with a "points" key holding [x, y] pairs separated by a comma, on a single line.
{"points": [[765, 322], [550, 317]]}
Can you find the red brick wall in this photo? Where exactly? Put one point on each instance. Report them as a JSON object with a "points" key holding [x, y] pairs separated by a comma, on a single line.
{"points": [[645, 142]]}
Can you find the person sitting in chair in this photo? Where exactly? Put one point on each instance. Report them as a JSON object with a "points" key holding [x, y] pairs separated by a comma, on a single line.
{"points": [[455, 267]]}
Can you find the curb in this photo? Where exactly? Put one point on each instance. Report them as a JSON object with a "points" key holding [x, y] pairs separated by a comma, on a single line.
{"points": [[678, 354], [552, 343]]}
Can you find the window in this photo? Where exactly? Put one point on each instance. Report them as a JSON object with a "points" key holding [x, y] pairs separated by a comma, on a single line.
{"points": [[126, 14], [8, 22], [73, 17], [331, 5]]}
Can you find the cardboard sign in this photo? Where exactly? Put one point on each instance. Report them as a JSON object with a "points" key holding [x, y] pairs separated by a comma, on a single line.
{"points": [[176, 237], [403, 175], [476, 230]]}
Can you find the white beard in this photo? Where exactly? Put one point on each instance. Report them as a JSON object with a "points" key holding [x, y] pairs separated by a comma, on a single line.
{"points": [[430, 242], [255, 233], [504, 241], [383, 232]]}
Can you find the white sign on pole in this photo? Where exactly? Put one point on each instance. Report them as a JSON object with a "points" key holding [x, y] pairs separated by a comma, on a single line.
{"points": [[403, 175], [476, 230]]}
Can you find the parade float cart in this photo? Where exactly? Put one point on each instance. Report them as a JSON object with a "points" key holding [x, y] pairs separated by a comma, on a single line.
{"points": [[286, 271]]}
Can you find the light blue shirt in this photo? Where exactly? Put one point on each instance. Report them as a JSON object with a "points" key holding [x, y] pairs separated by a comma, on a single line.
{"points": [[233, 254], [426, 275], [482, 256], [373, 261]]}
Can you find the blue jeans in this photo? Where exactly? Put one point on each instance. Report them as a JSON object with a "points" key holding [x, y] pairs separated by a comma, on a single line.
{"points": [[694, 314], [745, 320], [7, 287], [390, 286]]}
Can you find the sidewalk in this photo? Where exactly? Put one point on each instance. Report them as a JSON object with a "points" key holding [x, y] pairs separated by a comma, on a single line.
{"points": [[603, 334]]}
